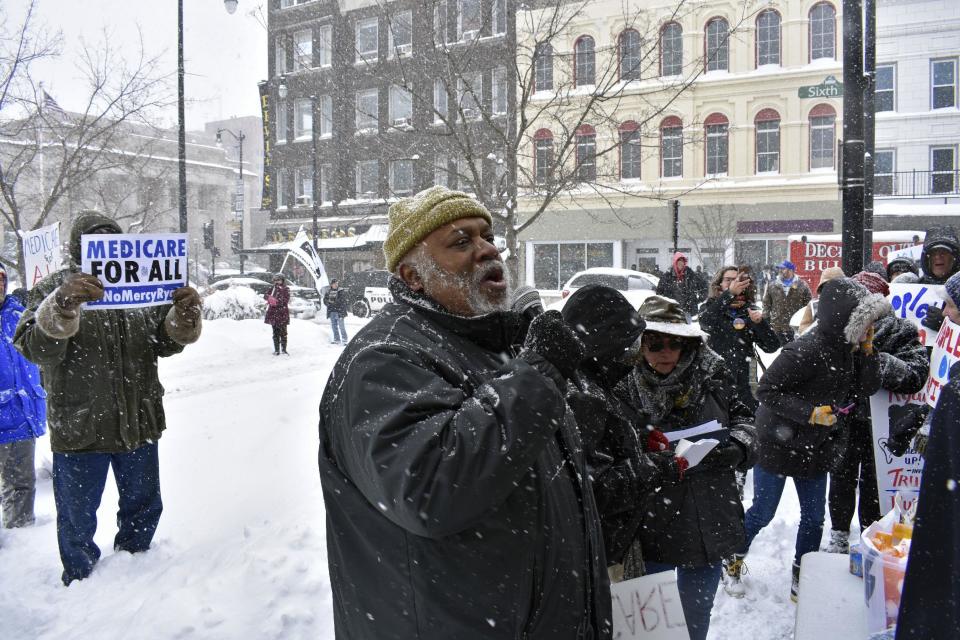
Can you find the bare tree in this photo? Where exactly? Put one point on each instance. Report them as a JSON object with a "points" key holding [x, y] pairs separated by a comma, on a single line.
{"points": [[712, 230], [47, 154]]}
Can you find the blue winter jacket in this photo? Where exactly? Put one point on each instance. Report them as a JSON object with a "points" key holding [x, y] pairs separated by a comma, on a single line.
{"points": [[23, 404]]}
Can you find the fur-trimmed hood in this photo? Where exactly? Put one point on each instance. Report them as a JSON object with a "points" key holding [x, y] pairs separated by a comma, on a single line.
{"points": [[846, 309]]}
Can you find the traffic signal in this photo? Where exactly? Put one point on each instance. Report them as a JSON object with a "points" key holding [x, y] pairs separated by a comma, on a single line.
{"points": [[236, 241], [208, 235]]}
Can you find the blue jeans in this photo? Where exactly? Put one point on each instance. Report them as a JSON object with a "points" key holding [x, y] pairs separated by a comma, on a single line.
{"points": [[767, 489], [339, 328], [78, 481], [698, 587]]}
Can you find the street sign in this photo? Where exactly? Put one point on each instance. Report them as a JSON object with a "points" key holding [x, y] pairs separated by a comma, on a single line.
{"points": [[829, 88]]}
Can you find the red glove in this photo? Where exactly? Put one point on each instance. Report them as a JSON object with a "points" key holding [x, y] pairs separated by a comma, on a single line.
{"points": [[682, 465], [656, 441]]}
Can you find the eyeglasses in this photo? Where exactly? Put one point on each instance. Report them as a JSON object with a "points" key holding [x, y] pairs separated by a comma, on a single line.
{"points": [[659, 344]]}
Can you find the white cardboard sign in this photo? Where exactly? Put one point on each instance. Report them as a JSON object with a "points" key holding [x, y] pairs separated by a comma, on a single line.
{"points": [[136, 269], [42, 254], [894, 473], [648, 607], [911, 301], [946, 351]]}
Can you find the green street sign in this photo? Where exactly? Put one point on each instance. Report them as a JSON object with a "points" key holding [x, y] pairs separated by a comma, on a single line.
{"points": [[830, 88]]}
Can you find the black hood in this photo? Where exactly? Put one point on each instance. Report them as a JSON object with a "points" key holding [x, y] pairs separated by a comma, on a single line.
{"points": [[903, 260], [88, 222], [846, 309], [604, 320], [940, 236]]}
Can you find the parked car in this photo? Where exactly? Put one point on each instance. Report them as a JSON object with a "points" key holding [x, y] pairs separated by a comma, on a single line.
{"points": [[619, 279], [367, 291]]}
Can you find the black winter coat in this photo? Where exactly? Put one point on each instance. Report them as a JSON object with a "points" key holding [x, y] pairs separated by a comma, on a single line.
{"points": [[942, 236], [457, 499], [930, 604], [698, 520], [688, 292], [818, 368], [337, 300], [736, 346]]}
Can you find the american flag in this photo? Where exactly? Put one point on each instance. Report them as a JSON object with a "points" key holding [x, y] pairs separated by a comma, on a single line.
{"points": [[50, 105]]}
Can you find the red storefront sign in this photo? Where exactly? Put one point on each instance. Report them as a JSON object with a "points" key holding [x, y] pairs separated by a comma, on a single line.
{"points": [[812, 254]]}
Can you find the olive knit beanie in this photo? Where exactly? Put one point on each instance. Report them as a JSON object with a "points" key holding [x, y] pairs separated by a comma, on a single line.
{"points": [[413, 219]]}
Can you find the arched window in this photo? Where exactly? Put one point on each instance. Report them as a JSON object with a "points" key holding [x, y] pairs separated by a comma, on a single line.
{"points": [[629, 55], [629, 150], [823, 123], [542, 156], [584, 61], [767, 125], [543, 67], [671, 147], [823, 31], [718, 45], [586, 153], [768, 38], [717, 133], [671, 49]]}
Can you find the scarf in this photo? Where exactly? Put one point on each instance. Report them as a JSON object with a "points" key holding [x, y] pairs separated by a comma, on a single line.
{"points": [[787, 284], [658, 396]]}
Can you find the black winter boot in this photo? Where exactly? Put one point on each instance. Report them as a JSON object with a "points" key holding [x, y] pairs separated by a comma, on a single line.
{"points": [[795, 582]]}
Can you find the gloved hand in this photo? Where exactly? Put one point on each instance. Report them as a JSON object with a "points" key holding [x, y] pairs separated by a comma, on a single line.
{"points": [[76, 289], [552, 338], [672, 467], [823, 416], [187, 304], [656, 441], [934, 318], [867, 345], [724, 456]]}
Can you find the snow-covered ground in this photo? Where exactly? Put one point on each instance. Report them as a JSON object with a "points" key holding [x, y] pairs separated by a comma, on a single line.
{"points": [[240, 552]]}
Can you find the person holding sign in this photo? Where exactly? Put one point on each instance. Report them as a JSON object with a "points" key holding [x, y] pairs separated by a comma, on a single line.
{"points": [[105, 401], [696, 519], [802, 394]]}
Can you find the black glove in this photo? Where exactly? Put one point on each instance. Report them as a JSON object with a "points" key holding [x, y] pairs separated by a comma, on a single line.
{"points": [[905, 422], [78, 288], [724, 456], [670, 468], [933, 319], [556, 342]]}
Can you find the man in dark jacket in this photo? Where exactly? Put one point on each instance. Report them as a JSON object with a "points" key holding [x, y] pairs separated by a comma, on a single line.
{"points": [[682, 284], [801, 394], [457, 497], [782, 298], [336, 301], [939, 260], [105, 401]]}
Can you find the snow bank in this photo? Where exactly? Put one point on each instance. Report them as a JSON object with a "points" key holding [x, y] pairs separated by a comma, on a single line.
{"points": [[235, 303]]}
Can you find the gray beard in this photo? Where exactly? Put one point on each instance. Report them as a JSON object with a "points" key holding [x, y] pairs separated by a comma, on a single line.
{"points": [[480, 303]]}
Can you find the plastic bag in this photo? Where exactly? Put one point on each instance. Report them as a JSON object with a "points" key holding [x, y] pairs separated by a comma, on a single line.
{"points": [[884, 568]]}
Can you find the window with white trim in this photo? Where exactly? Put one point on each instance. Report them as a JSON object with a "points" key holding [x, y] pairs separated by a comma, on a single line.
{"points": [[469, 19], [466, 180], [629, 55], [943, 83], [401, 107], [401, 177], [325, 40], [304, 186], [630, 153], [367, 40], [671, 50], [587, 156], [470, 89], [325, 107], [499, 17], [368, 109], [498, 90], [718, 45], [302, 119], [671, 151], [584, 57], [326, 172], [368, 175], [440, 101], [441, 171], [884, 96], [543, 67], [884, 167], [823, 31], [280, 57], [302, 49], [401, 33], [768, 145], [822, 141], [543, 157], [281, 123], [943, 169], [280, 188], [768, 38], [440, 23], [717, 148]]}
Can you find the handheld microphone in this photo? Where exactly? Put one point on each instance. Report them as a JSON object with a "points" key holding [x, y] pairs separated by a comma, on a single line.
{"points": [[527, 302]]}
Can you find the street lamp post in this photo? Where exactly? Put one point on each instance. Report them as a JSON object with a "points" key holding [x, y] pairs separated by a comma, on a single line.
{"points": [[239, 204], [231, 7], [313, 153]]}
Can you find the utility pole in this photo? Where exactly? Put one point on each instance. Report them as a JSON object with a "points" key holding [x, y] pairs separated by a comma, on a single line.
{"points": [[181, 124], [853, 145], [869, 121], [675, 209]]}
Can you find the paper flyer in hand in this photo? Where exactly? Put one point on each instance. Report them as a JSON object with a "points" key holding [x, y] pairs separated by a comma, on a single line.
{"points": [[694, 452], [712, 429]]}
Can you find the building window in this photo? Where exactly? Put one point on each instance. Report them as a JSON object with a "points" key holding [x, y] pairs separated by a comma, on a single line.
{"points": [[440, 23], [368, 175], [368, 37], [440, 101], [470, 90], [543, 67], [304, 186], [325, 40], [823, 31], [943, 169], [629, 150], [498, 90], [441, 171], [629, 55], [586, 154], [401, 106], [555, 263], [401, 33], [281, 188], [326, 172], [280, 57], [499, 17], [884, 97], [302, 119], [671, 147], [718, 45], [368, 109], [290, 3], [466, 180], [401, 177], [767, 125], [584, 61], [281, 124], [768, 38], [543, 156], [943, 80], [717, 133], [823, 121], [326, 116], [884, 166], [302, 50], [470, 19], [671, 49]]}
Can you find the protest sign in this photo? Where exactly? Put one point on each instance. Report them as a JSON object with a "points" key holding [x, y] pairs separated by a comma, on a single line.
{"points": [[648, 607], [137, 270], [946, 351], [911, 301], [41, 253], [894, 473]]}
